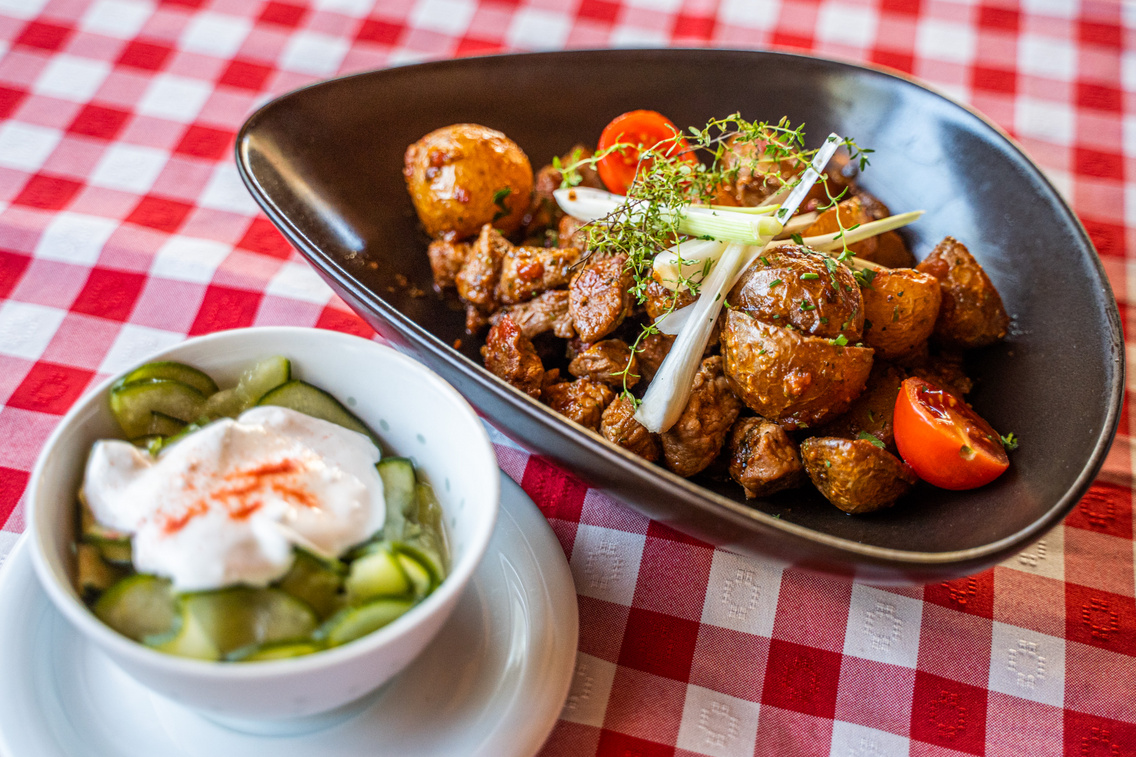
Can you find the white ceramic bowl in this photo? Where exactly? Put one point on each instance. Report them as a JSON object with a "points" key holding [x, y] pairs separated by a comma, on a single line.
{"points": [[414, 412]]}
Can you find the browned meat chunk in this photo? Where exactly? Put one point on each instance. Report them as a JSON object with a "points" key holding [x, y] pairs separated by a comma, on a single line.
{"points": [[446, 259], [599, 296], [609, 362], [620, 427], [900, 307], [651, 352], [528, 271], [581, 400], [475, 320], [763, 458], [463, 176], [544, 210], [510, 355], [788, 377], [477, 279], [697, 436], [972, 314], [572, 232], [545, 312], [660, 300], [872, 412], [854, 474], [793, 285]]}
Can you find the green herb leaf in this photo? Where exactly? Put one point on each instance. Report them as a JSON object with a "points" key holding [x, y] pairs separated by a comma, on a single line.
{"points": [[499, 198], [871, 438]]}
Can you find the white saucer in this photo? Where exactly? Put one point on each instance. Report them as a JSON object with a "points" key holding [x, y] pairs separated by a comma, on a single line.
{"points": [[492, 683]]}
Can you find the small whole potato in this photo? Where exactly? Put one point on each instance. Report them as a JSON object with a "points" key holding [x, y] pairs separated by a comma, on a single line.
{"points": [[463, 176], [901, 306], [789, 377]]}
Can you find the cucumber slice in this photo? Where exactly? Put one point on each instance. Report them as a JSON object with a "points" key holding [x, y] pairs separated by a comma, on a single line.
{"points": [[164, 425], [307, 399], [399, 483], [133, 404], [94, 575], [138, 606], [418, 574], [282, 651], [172, 371], [188, 639], [226, 403], [425, 550], [114, 551], [377, 574], [353, 622], [263, 378], [315, 581], [240, 617]]}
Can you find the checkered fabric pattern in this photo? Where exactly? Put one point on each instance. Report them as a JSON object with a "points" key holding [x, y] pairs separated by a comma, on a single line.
{"points": [[124, 228]]}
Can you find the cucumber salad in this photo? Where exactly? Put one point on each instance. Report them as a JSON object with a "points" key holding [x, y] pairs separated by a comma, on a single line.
{"points": [[256, 522]]}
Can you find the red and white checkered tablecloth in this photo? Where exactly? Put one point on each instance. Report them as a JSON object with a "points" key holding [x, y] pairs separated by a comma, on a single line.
{"points": [[124, 228]]}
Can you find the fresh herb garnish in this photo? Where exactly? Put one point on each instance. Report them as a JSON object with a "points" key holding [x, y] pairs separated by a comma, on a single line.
{"points": [[499, 198], [871, 438]]}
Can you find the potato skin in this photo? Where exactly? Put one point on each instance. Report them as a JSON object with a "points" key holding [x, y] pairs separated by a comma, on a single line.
{"points": [[972, 314], [790, 378], [792, 284], [854, 474], [900, 308], [454, 172]]}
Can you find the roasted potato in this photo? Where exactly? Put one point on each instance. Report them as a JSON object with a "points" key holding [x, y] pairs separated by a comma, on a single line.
{"points": [[463, 176], [972, 314], [794, 285], [789, 377], [900, 308], [854, 474]]}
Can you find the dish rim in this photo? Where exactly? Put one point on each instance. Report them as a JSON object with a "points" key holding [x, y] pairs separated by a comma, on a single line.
{"points": [[700, 497]]}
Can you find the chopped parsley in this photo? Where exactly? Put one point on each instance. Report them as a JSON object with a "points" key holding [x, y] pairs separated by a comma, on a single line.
{"points": [[499, 198]]}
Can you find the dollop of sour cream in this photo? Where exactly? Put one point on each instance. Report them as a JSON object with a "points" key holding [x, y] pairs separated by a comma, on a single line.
{"points": [[226, 504]]}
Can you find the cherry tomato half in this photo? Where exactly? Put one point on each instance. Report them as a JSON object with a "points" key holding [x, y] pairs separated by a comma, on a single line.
{"points": [[944, 440], [644, 128]]}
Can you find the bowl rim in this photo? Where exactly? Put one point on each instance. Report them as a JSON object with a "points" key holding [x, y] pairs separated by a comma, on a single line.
{"points": [[673, 485], [51, 577]]}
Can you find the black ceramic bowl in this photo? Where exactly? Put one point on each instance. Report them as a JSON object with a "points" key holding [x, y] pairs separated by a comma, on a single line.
{"points": [[325, 164]]}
